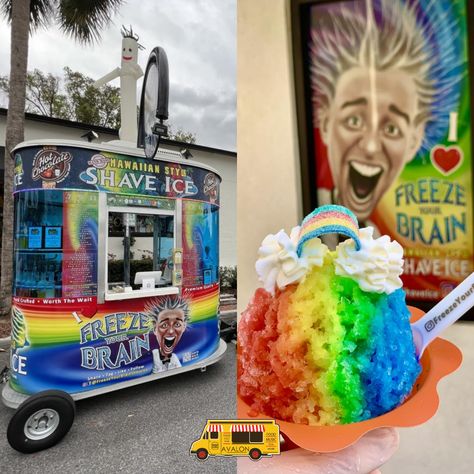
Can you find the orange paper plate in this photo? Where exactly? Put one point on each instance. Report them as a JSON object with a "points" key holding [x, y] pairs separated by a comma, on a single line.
{"points": [[440, 359]]}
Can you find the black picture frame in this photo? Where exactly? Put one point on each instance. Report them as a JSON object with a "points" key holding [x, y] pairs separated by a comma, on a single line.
{"points": [[300, 25]]}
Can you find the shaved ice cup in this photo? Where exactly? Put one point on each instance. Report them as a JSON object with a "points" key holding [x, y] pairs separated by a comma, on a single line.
{"points": [[440, 359]]}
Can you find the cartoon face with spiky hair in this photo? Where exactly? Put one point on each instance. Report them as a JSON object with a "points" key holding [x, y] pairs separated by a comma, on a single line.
{"points": [[170, 319], [381, 90]]}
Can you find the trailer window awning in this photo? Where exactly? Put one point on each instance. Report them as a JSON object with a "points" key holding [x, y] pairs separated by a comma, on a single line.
{"points": [[249, 427], [215, 428]]}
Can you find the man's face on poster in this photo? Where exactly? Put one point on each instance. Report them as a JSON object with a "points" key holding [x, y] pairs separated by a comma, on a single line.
{"points": [[168, 330], [371, 132]]}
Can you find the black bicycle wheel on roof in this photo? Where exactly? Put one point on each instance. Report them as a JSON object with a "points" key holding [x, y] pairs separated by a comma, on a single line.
{"points": [[154, 102]]}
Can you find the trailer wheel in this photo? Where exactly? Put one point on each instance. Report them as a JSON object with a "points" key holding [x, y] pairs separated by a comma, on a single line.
{"points": [[41, 421], [255, 454], [202, 454]]}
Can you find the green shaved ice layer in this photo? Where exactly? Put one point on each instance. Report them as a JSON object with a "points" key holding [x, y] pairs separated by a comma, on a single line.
{"points": [[356, 310]]}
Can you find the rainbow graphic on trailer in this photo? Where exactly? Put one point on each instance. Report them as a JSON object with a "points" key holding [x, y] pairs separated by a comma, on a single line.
{"points": [[67, 351]]}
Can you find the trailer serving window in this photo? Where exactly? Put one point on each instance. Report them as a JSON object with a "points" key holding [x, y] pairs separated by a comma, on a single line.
{"points": [[140, 244]]}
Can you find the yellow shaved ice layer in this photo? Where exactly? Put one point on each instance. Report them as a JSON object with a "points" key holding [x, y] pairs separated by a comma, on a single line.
{"points": [[314, 305]]}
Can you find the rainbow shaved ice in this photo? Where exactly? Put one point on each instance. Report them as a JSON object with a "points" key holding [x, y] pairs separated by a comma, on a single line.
{"points": [[327, 342]]}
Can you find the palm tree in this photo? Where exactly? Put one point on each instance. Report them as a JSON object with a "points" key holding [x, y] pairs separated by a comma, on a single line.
{"points": [[80, 19]]}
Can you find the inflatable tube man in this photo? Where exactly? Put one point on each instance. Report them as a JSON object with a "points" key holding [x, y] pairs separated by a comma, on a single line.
{"points": [[129, 72]]}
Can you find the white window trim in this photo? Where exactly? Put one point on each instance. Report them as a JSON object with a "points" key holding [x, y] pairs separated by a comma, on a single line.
{"points": [[128, 295]]}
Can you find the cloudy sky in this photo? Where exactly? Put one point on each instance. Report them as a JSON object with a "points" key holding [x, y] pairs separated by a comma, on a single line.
{"points": [[199, 37]]}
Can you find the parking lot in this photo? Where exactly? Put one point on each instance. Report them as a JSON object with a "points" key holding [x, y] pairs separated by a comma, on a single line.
{"points": [[148, 428]]}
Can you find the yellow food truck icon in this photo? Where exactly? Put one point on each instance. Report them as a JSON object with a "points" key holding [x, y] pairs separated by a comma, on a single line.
{"points": [[253, 438]]}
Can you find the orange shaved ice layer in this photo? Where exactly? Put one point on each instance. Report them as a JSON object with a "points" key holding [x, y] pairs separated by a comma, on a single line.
{"points": [[287, 350]]}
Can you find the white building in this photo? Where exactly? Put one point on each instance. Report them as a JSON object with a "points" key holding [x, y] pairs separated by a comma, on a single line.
{"points": [[223, 161]]}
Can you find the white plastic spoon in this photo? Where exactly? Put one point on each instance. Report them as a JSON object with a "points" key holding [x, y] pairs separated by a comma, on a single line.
{"points": [[445, 313]]}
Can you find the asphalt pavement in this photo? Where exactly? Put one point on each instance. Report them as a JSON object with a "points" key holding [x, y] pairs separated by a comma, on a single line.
{"points": [[148, 428]]}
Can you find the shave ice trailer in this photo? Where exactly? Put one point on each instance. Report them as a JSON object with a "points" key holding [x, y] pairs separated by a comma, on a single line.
{"points": [[116, 277]]}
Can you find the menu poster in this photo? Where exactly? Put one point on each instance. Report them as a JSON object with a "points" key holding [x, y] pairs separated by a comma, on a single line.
{"points": [[52, 238], [35, 237], [79, 271], [200, 243]]}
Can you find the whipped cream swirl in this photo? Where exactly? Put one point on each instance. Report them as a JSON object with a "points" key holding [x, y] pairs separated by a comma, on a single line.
{"points": [[376, 267], [278, 264]]}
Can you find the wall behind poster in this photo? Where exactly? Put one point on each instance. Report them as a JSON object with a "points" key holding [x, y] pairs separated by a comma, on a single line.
{"points": [[390, 127]]}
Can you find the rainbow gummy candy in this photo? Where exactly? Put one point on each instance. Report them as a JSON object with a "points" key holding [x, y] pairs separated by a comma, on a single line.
{"points": [[326, 352], [327, 220]]}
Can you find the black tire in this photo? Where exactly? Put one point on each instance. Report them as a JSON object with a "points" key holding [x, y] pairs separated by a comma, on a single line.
{"points": [[202, 454], [255, 454], [61, 408]]}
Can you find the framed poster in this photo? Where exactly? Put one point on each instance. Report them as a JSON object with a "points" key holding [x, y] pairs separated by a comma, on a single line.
{"points": [[383, 92]]}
